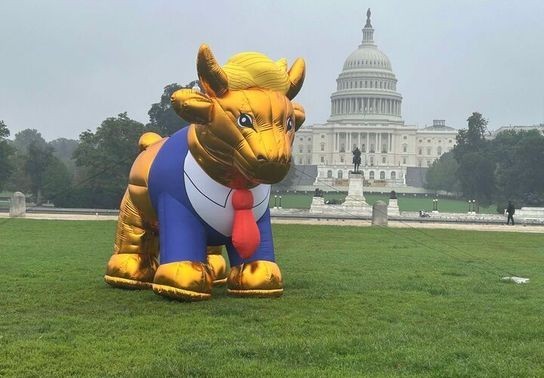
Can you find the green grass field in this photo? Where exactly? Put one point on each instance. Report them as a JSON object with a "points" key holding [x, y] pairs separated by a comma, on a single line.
{"points": [[406, 203], [358, 302]]}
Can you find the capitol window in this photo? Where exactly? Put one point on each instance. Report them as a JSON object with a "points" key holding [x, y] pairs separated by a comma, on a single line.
{"points": [[309, 139], [419, 151], [404, 147], [382, 175], [322, 146], [383, 159], [329, 174], [393, 175], [404, 137], [309, 148], [300, 148], [339, 174], [428, 150], [371, 175], [439, 151], [404, 160], [322, 159], [341, 158]]}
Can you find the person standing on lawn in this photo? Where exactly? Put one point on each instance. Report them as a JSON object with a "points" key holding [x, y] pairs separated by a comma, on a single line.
{"points": [[510, 210]]}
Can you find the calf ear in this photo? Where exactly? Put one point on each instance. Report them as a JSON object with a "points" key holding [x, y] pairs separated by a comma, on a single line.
{"points": [[300, 115], [192, 106]]}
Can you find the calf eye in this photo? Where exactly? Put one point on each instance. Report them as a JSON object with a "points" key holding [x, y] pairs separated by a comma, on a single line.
{"points": [[245, 120], [290, 124]]}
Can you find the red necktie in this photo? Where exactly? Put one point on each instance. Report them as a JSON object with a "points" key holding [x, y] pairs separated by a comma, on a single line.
{"points": [[245, 233]]}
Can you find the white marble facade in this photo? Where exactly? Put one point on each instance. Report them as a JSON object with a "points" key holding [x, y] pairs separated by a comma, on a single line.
{"points": [[366, 113]]}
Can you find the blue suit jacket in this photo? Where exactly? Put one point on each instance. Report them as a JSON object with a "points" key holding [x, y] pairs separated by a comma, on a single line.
{"points": [[184, 234]]}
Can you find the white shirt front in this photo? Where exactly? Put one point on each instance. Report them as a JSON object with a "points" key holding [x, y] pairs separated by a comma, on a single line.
{"points": [[213, 201]]}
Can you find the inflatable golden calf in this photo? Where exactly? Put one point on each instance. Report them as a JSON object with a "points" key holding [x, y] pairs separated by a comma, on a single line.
{"points": [[208, 184]]}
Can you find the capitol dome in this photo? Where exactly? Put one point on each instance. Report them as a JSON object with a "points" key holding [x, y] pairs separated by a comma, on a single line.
{"points": [[366, 87], [367, 57]]}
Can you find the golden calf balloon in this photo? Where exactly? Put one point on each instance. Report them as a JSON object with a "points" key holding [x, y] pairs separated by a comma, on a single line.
{"points": [[208, 184]]}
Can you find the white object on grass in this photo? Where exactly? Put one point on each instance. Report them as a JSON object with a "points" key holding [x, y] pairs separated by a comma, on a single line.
{"points": [[518, 280]]}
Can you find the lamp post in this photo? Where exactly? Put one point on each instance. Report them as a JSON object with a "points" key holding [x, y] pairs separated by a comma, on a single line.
{"points": [[280, 202], [275, 201], [472, 207]]}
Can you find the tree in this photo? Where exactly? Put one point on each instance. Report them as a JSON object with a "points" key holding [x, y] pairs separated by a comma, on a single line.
{"points": [[162, 117], [63, 149], [520, 172], [476, 174], [104, 159], [57, 183], [37, 159], [6, 151], [442, 174], [23, 139], [476, 166]]}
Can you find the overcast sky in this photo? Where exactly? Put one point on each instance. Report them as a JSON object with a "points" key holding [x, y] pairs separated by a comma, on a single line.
{"points": [[65, 66]]}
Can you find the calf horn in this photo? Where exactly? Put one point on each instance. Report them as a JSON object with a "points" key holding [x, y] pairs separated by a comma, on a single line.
{"points": [[296, 78], [211, 75]]}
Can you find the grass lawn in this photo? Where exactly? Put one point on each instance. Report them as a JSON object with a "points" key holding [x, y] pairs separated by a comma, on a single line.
{"points": [[406, 203], [357, 302]]}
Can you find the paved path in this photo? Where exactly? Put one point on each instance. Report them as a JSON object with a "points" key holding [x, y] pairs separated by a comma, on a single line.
{"points": [[51, 216], [411, 224], [335, 222]]}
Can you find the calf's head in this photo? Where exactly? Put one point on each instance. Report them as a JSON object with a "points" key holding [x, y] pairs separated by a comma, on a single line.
{"points": [[245, 120]]}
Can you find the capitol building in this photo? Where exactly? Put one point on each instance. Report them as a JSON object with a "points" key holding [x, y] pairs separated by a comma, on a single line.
{"points": [[366, 113]]}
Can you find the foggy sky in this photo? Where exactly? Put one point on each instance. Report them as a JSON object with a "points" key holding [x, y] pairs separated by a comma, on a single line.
{"points": [[65, 66]]}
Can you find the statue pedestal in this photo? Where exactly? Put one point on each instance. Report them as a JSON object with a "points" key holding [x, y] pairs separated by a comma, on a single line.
{"points": [[17, 207], [379, 214], [317, 206], [355, 201], [393, 207]]}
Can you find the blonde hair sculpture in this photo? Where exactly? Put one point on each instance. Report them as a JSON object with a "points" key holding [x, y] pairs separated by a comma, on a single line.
{"points": [[208, 184]]}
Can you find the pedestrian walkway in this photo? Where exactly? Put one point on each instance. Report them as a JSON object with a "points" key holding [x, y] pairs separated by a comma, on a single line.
{"points": [[326, 222]]}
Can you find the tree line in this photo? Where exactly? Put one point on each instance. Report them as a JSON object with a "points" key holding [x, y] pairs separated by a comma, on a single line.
{"points": [[506, 168], [91, 172]]}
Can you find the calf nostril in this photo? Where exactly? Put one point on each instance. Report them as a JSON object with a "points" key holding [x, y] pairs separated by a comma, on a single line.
{"points": [[261, 158]]}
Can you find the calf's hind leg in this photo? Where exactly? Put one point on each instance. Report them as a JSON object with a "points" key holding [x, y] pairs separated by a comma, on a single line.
{"points": [[134, 259]]}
